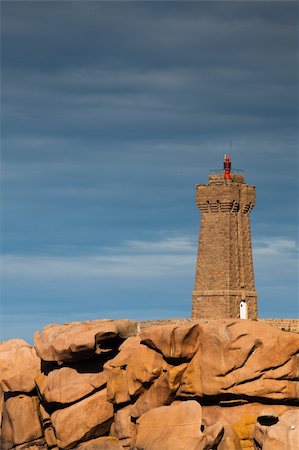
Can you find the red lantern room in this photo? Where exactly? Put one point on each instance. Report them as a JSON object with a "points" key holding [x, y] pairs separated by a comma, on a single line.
{"points": [[227, 167]]}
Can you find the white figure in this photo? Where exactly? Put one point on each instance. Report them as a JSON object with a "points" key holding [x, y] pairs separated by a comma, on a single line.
{"points": [[243, 310]]}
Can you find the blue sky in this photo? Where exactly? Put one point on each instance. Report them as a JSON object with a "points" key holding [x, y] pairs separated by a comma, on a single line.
{"points": [[112, 112]]}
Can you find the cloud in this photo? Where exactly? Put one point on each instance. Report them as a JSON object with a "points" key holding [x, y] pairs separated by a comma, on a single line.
{"points": [[275, 246], [180, 245], [276, 267], [172, 257], [134, 70]]}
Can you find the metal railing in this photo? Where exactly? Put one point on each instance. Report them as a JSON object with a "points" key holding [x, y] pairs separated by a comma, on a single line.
{"points": [[233, 171]]}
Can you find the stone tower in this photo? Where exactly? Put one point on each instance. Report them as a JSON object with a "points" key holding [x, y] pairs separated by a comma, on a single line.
{"points": [[224, 279]]}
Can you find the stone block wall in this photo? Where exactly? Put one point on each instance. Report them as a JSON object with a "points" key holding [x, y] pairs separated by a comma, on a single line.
{"points": [[283, 324]]}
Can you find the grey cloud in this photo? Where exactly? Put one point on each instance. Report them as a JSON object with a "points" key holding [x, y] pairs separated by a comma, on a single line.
{"points": [[145, 35], [131, 70]]}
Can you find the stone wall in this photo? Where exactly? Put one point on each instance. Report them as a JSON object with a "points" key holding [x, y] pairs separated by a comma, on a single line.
{"points": [[282, 324]]}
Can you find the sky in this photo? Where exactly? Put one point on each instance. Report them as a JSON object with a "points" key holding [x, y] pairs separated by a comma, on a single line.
{"points": [[112, 112]]}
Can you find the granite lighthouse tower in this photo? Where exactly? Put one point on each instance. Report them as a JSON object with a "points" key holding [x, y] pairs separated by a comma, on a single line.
{"points": [[224, 279]]}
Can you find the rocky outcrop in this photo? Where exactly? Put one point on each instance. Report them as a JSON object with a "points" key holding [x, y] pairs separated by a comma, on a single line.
{"points": [[178, 426], [76, 341], [100, 385], [245, 362], [274, 432], [19, 365], [86, 419], [66, 385]]}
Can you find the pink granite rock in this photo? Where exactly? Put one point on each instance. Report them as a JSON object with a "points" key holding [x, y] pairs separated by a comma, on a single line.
{"points": [[1, 410], [157, 395], [117, 387], [143, 366], [244, 358], [123, 428], [178, 427], [19, 365], [84, 420], [126, 349], [21, 423], [241, 418], [37, 444], [102, 443], [81, 340], [173, 341], [274, 432], [160, 393], [13, 344], [49, 433], [67, 385]]}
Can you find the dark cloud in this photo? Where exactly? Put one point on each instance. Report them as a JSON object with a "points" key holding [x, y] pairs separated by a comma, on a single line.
{"points": [[55, 35]]}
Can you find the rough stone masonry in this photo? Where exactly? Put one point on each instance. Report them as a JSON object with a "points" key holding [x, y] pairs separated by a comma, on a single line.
{"points": [[224, 273]]}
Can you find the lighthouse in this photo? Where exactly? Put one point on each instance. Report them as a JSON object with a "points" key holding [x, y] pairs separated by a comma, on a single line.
{"points": [[224, 278]]}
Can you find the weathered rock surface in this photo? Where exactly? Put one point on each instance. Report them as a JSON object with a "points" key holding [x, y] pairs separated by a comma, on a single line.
{"points": [[160, 393], [173, 341], [176, 387], [67, 385], [177, 426], [241, 419], [74, 341], [13, 344], [274, 432], [241, 357], [21, 422], [126, 349], [144, 365], [19, 365], [102, 443], [123, 428], [87, 419], [48, 429], [117, 387], [38, 444]]}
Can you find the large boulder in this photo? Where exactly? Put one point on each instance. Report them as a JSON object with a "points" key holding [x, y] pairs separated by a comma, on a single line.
{"points": [[173, 341], [21, 423], [49, 433], [13, 344], [161, 392], [157, 395], [117, 387], [37, 444], [240, 418], [243, 358], [19, 366], [178, 427], [123, 428], [102, 443], [273, 432], [82, 340], [126, 349], [135, 365], [84, 420], [144, 365], [67, 385]]}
